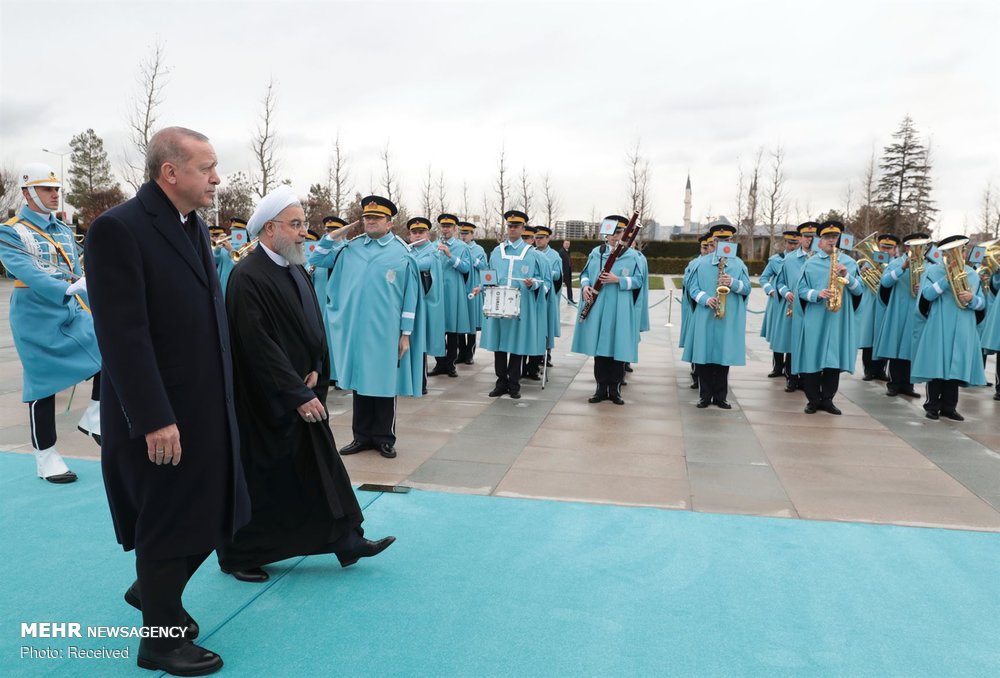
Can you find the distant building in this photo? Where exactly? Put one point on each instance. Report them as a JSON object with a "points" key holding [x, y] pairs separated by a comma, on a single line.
{"points": [[575, 230]]}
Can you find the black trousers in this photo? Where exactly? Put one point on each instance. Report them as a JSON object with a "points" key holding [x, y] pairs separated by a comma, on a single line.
{"points": [[507, 367], [42, 416], [609, 375], [466, 347], [899, 375], [793, 380], [873, 368], [160, 587], [713, 381], [778, 363], [694, 375], [533, 365], [942, 396], [447, 363], [821, 387], [374, 419], [568, 281]]}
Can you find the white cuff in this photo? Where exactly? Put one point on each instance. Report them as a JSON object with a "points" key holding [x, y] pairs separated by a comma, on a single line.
{"points": [[894, 273], [700, 296], [584, 282], [812, 295], [937, 288], [628, 282], [408, 316]]}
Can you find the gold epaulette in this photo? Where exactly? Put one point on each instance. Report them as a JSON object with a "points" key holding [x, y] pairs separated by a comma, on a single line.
{"points": [[11, 221], [20, 285]]}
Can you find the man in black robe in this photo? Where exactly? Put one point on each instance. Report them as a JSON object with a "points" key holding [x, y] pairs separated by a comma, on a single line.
{"points": [[301, 496]]}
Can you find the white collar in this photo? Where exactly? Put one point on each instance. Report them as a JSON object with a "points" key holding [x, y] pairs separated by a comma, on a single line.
{"points": [[275, 257]]}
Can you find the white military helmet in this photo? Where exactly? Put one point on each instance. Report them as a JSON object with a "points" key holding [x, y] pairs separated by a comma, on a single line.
{"points": [[38, 174]]}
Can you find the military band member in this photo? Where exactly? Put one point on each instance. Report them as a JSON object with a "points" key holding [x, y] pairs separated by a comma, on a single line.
{"points": [[50, 321], [374, 307], [894, 340], [788, 280], [429, 266], [706, 245], [456, 264], [826, 343], [946, 345], [511, 339], [775, 311], [321, 282], [714, 344], [990, 327], [529, 235], [610, 333], [871, 314], [477, 255], [222, 250], [553, 283]]}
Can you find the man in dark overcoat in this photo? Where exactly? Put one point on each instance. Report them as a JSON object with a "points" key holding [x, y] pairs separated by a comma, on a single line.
{"points": [[170, 443]]}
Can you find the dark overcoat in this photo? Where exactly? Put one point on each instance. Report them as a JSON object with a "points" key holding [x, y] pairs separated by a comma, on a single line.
{"points": [[160, 319]]}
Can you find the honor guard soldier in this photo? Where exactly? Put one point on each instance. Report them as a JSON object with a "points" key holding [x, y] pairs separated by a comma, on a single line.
{"points": [[321, 281], [529, 235], [788, 279], [642, 304], [374, 308], [946, 345], [706, 245], [775, 311], [456, 265], [610, 333], [990, 327], [898, 291], [552, 285], [429, 266], [829, 290], [517, 266], [477, 255], [719, 285], [871, 314], [50, 320]]}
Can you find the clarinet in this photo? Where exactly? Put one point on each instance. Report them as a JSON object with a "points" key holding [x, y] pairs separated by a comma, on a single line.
{"points": [[628, 237]]}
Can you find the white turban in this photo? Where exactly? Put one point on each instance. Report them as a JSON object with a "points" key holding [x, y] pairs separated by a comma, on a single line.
{"points": [[269, 207]]}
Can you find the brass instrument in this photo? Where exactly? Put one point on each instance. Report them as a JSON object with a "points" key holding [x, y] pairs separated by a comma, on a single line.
{"points": [[918, 250], [217, 242], [245, 250], [721, 291], [836, 285], [872, 275], [954, 268], [991, 261]]}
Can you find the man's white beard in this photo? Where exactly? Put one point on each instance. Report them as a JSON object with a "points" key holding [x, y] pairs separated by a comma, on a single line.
{"points": [[294, 252]]}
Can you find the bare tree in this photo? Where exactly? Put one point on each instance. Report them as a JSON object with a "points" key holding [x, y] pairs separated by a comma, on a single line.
{"points": [[527, 192], [264, 144], [550, 200], [867, 215], [141, 121], [442, 193], [502, 185], [848, 201], [491, 224], [638, 182], [465, 200], [338, 178], [741, 190], [987, 210], [10, 193], [775, 203], [426, 194], [389, 182]]}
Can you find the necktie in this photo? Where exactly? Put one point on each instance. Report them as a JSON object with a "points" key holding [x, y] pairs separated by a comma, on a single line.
{"points": [[305, 296]]}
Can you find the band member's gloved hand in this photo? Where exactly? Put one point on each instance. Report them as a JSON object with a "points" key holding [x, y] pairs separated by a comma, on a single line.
{"points": [[312, 411], [77, 287], [164, 445]]}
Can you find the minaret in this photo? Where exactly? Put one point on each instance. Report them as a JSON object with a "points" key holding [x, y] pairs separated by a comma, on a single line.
{"points": [[687, 206]]}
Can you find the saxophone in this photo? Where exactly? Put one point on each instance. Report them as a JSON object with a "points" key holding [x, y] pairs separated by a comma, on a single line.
{"points": [[836, 285], [721, 291]]}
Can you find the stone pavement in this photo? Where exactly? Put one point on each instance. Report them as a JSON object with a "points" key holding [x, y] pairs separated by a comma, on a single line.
{"points": [[880, 462]]}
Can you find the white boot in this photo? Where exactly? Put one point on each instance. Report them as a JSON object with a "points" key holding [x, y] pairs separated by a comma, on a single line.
{"points": [[51, 466], [90, 422]]}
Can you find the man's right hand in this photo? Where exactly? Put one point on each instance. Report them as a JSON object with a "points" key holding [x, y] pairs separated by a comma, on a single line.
{"points": [[164, 445], [312, 411], [588, 293], [789, 296]]}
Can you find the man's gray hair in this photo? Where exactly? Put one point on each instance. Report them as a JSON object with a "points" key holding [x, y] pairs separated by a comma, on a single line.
{"points": [[166, 146]]}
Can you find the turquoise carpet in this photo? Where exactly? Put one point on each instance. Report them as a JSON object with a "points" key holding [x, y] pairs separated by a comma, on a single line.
{"points": [[485, 586]]}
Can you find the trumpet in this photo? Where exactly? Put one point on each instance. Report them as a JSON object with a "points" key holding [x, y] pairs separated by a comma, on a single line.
{"points": [[217, 242], [243, 251]]}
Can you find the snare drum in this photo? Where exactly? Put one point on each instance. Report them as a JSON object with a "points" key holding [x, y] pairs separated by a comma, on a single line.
{"points": [[501, 302]]}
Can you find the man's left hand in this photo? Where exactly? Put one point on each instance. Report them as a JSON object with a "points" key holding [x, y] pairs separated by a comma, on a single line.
{"points": [[312, 379], [608, 278], [965, 296], [404, 345], [312, 411]]}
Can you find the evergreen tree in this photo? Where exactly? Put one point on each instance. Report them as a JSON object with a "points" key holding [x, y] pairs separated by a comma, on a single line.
{"points": [[235, 198], [92, 187], [904, 189], [319, 203]]}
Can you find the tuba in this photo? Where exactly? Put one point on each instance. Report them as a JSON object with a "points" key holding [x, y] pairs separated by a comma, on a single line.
{"points": [[991, 260], [918, 250], [872, 275], [954, 268], [721, 291]]}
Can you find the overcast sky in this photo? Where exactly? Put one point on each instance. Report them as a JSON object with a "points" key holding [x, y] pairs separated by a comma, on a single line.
{"points": [[565, 87]]}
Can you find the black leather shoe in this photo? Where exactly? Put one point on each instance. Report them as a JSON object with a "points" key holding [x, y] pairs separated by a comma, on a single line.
{"points": [[891, 392], [693, 385], [187, 660], [830, 407], [596, 398], [468, 361], [789, 388], [775, 374], [617, 399], [910, 394], [931, 414], [723, 404], [251, 575], [436, 372], [515, 395], [425, 391], [62, 478], [628, 368], [868, 377], [996, 396], [624, 383], [191, 628], [953, 415], [356, 446], [702, 404], [533, 377], [453, 373], [810, 409], [497, 392], [367, 549], [387, 450]]}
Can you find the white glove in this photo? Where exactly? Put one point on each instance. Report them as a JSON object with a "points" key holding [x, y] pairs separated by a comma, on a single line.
{"points": [[77, 287]]}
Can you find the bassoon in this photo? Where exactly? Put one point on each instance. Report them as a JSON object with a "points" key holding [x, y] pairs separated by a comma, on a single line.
{"points": [[628, 237]]}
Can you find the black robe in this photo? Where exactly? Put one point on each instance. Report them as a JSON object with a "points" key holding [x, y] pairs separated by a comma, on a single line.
{"points": [[300, 493]]}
